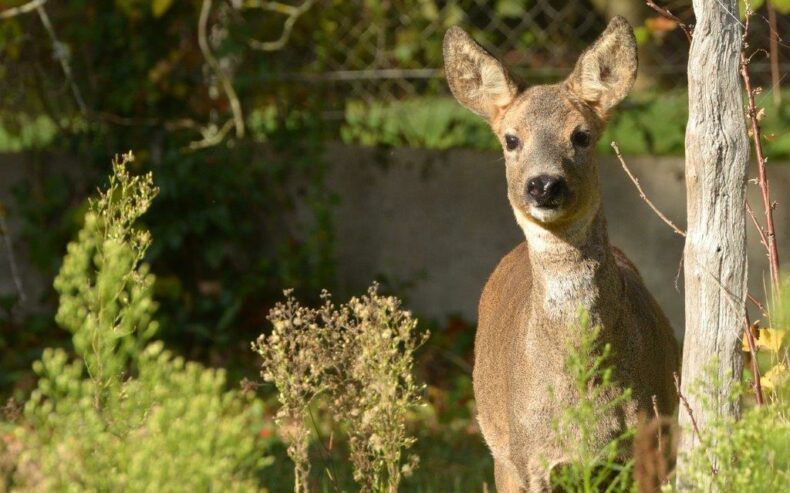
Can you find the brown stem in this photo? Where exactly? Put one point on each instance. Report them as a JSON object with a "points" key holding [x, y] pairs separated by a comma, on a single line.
{"points": [[756, 303], [757, 385], [762, 177], [669, 15], [773, 48], [658, 422], [642, 193], [687, 406], [757, 226]]}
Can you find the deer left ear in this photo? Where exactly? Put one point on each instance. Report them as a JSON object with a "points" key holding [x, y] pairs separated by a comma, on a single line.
{"points": [[606, 71]]}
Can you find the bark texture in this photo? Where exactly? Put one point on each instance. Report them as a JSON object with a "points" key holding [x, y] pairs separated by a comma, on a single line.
{"points": [[717, 153]]}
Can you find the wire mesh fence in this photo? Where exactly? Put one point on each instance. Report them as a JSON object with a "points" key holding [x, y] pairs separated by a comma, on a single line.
{"points": [[378, 50]]}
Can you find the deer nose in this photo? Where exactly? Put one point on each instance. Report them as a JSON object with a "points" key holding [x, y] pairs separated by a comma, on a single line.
{"points": [[547, 191]]}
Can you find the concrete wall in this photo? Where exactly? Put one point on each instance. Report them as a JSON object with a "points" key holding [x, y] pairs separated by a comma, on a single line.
{"points": [[439, 222], [442, 220]]}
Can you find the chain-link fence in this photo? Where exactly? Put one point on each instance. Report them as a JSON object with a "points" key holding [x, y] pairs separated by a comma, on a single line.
{"points": [[391, 49]]}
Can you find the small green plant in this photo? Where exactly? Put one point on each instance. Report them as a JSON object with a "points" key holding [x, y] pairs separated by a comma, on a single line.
{"points": [[360, 355], [747, 454], [592, 468], [125, 414], [751, 453]]}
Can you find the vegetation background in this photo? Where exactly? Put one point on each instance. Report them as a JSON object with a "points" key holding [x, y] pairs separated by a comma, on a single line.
{"points": [[229, 103]]}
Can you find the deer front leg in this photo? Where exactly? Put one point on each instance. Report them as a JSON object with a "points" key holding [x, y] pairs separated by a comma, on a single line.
{"points": [[506, 478]]}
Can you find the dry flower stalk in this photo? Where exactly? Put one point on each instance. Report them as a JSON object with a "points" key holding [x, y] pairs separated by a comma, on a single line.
{"points": [[360, 356]]}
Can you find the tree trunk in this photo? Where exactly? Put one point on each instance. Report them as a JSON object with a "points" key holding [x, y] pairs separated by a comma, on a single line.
{"points": [[717, 153]]}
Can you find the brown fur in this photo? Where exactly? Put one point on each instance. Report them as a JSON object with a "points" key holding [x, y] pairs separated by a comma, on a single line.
{"points": [[529, 307]]}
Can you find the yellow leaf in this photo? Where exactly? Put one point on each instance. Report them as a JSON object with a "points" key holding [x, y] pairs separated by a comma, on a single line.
{"points": [[159, 7], [775, 376], [771, 339], [767, 339]]}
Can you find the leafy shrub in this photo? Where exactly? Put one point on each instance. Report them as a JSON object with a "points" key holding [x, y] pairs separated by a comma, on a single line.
{"points": [[751, 453], [592, 468], [747, 454], [127, 415], [360, 355]]}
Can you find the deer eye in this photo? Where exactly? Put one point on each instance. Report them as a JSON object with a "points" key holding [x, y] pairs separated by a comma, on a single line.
{"points": [[511, 142], [581, 138]]}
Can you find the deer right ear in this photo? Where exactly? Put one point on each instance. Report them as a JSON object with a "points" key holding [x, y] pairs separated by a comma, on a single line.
{"points": [[476, 79]]}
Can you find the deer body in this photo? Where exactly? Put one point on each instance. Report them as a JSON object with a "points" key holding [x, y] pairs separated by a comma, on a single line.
{"points": [[529, 308]]}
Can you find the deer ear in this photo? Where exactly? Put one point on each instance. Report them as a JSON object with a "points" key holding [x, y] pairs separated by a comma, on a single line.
{"points": [[476, 79], [606, 71]]}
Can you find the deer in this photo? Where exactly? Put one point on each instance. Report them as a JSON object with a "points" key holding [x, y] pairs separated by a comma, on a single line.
{"points": [[529, 308]]}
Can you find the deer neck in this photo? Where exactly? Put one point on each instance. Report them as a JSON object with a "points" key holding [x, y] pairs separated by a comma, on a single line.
{"points": [[573, 268]]}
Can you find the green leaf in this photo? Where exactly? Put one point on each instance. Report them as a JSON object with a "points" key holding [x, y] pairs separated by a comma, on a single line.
{"points": [[159, 7], [510, 8], [781, 6], [642, 35]]}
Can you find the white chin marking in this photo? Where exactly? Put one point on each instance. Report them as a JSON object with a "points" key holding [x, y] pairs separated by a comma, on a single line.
{"points": [[544, 215]]}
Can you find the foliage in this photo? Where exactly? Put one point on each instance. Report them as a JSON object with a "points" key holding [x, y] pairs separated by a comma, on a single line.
{"points": [[105, 291], [751, 453], [123, 415], [235, 223], [748, 454], [360, 355], [592, 468], [646, 124]]}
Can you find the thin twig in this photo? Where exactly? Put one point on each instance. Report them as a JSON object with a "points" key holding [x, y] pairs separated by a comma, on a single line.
{"points": [[642, 193], [756, 303], [227, 85], [774, 52], [61, 52], [658, 421], [59, 49], [669, 15], [11, 259], [757, 385], [22, 9], [687, 406], [757, 226], [762, 177], [292, 13]]}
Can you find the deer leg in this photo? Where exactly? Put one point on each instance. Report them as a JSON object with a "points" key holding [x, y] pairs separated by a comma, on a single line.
{"points": [[507, 480]]}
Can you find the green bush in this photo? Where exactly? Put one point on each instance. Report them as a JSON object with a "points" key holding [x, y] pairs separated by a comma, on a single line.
{"points": [[592, 468], [747, 454], [125, 414]]}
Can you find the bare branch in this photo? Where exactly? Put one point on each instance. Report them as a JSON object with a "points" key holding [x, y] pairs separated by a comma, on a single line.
{"points": [[292, 13], [762, 177], [687, 406], [59, 49], [669, 15], [11, 259], [760, 230], [22, 9], [61, 52], [642, 193], [658, 421], [211, 135], [774, 55], [227, 85]]}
